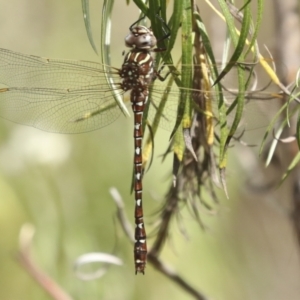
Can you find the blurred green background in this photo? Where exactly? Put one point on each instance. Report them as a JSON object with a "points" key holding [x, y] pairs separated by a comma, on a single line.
{"points": [[60, 184]]}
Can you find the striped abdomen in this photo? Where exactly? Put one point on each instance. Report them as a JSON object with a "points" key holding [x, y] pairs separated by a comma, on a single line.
{"points": [[137, 73]]}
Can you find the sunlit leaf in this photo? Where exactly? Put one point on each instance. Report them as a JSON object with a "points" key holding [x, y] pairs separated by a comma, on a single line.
{"points": [[87, 22]]}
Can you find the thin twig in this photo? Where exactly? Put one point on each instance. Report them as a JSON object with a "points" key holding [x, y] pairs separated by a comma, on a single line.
{"points": [[26, 261], [153, 255], [172, 275]]}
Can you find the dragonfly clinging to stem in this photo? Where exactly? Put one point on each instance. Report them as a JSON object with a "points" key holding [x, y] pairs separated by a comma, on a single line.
{"points": [[68, 96], [73, 96]]}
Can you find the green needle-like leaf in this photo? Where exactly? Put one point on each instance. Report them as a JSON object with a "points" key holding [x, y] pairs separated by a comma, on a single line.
{"points": [[87, 22]]}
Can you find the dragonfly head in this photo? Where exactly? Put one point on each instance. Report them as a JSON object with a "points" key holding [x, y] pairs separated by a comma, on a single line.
{"points": [[140, 37]]}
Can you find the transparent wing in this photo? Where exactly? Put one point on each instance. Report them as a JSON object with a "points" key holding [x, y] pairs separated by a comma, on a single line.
{"points": [[260, 106], [55, 95], [73, 96], [32, 71], [58, 110]]}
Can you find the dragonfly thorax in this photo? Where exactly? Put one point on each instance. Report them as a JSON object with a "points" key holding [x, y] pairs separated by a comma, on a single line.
{"points": [[140, 37], [137, 70]]}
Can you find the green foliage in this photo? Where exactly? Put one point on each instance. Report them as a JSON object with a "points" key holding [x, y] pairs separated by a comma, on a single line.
{"points": [[68, 201]]}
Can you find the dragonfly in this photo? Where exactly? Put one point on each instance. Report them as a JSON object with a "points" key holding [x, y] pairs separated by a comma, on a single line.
{"points": [[73, 96], [68, 96]]}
